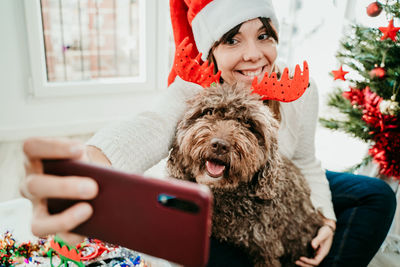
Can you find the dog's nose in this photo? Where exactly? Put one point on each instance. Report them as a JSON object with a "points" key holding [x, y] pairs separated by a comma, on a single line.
{"points": [[219, 146]]}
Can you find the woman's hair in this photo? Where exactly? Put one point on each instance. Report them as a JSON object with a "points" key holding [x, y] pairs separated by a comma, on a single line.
{"points": [[273, 105]]}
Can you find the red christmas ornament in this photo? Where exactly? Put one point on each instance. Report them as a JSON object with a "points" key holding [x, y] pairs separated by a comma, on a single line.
{"points": [[377, 72], [356, 96], [384, 130], [386, 152], [374, 9], [390, 31], [339, 74]]}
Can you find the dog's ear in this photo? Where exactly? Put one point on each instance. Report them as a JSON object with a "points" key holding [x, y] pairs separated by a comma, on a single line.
{"points": [[174, 163]]}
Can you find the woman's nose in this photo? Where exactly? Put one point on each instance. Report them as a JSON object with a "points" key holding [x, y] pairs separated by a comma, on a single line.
{"points": [[252, 52]]}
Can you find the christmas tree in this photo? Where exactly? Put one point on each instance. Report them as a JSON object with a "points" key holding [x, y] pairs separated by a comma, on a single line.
{"points": [[370, 103]]}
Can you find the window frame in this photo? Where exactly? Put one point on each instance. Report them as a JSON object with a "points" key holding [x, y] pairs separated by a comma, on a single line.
{"points": [[39, 87]]}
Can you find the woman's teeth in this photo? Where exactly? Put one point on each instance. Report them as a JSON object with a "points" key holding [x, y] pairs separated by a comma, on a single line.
{"points": [[251, 73]]}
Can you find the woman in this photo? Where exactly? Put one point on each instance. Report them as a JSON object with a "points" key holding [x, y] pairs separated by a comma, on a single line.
{"points": [[240, 38]]}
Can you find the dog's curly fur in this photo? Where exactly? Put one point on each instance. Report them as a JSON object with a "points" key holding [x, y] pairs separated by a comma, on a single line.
{"points": [[261, 200]]}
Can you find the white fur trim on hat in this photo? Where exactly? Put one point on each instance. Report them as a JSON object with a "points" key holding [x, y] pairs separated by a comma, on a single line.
{"points": [[220, 16]]}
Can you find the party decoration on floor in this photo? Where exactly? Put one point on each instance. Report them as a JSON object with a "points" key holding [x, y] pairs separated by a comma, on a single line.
{"points": [[65, 252], [12, 253], [374, 9], [389, 32], [339, 74], [53, 251], [371, 105]]}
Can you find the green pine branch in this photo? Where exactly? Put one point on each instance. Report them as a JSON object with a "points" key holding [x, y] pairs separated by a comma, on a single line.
{"points": [[354, 125], [366, 160], [391, 8]]}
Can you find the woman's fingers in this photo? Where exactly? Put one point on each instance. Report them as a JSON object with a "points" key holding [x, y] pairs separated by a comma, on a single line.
{"points": [[44, 224], [322, 235], [47, 148], [302, 264], [38, 187], [323, 242], [69, 187]]}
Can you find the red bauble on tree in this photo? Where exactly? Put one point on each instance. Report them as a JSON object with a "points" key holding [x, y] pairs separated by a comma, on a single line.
{"points": [[374, 9], [377, 72]]}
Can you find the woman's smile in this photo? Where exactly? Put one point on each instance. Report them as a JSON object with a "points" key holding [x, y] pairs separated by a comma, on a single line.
{"points": [[248, 74]]}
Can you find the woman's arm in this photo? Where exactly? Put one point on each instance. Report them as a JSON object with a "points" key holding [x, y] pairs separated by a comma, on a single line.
{"points": [[136, 144], [304, 155], [304, 158]]}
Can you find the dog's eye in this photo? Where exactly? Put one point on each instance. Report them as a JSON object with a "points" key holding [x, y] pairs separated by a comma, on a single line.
{"points": [[252, 126], [207, 111], [245, 122]]}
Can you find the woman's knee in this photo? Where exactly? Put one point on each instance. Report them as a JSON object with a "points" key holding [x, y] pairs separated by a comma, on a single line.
{"points": [[383, 196]]}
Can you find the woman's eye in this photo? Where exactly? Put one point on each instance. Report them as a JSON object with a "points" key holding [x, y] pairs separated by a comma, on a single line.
{"points": [[263, 36], [231, 41]]}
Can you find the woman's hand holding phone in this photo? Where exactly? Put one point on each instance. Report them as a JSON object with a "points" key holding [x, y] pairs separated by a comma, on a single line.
{"points": [[38, 187]]}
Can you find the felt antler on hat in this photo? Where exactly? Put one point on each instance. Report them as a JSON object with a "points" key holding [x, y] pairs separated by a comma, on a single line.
{"points": [[181, 12], [286, 89], [192, 70]]}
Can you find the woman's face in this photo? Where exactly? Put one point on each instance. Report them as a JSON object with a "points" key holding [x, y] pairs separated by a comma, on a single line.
{"points": [[250, 53]]}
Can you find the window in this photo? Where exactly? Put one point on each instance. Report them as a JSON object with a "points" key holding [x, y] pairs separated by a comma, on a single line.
{"points": [[80, 47], [87, 40]]}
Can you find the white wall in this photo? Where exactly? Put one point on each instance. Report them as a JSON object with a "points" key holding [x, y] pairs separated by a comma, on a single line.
{"points": [[22, 116]]}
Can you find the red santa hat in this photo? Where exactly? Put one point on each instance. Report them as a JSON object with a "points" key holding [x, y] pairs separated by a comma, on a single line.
{"points": [[205, 21]]}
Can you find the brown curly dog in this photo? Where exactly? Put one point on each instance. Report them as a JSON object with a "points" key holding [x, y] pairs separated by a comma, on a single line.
{"points": [[228, 141]]}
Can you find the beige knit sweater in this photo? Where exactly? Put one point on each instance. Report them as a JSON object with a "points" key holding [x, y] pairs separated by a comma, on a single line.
{"points": [[137, 144]]}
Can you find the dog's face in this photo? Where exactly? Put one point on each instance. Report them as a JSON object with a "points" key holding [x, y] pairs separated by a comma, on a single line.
{"points": [[225, 137]]}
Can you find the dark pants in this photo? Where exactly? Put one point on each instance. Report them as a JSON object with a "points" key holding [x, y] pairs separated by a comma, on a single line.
{"points": [[364, 209]]}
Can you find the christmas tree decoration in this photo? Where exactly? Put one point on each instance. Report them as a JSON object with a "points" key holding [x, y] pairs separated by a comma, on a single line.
{"points": [[389, 107], [355, 96], [370, 107], [377, 72], [390, 31], [374, 9], [339, 74], [386, 152]]}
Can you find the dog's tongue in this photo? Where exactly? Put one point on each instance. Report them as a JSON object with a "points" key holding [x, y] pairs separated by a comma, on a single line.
{"points": [[215, 170]]}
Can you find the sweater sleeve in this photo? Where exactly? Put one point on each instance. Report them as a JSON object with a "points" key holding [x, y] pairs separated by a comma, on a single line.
{"points": [[304, 155], [136, 144]]}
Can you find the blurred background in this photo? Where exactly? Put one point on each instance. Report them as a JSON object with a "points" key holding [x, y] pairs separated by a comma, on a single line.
{"points": [[68, 68]]}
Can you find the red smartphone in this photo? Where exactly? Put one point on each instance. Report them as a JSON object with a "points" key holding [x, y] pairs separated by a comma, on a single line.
{"points": [[169, 219]]}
